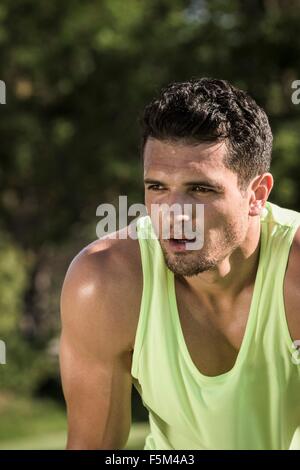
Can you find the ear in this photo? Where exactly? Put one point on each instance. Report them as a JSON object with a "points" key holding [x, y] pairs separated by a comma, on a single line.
{"points": [[260, 189]]}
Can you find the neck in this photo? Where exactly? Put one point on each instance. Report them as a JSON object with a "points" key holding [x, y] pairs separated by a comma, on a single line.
{"points": [[234, 273]]}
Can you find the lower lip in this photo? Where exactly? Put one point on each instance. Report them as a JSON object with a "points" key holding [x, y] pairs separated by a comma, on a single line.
{"points": [[179, 246]]}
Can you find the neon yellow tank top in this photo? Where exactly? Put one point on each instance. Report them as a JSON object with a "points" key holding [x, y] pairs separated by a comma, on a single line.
{"points": [[256, 404]]}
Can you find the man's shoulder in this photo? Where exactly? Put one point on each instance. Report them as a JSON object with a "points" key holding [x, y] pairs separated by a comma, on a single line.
{"points": [[292, 287], [106, 279], [113, 257]]}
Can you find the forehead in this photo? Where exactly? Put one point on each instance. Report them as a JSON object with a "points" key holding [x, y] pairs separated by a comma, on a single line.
{"points": [[170, 159]]}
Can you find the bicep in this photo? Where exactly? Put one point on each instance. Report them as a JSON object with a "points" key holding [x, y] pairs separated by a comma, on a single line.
{"points": [[95, 364]]}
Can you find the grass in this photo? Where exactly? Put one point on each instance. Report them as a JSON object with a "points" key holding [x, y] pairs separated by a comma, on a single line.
{"points": [[41, 425]]}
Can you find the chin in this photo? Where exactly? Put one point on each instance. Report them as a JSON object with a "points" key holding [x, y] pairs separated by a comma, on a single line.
{"points": [[184, 267]]}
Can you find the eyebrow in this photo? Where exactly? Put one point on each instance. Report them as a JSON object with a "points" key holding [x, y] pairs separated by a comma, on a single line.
{"points": [[209, 184]]}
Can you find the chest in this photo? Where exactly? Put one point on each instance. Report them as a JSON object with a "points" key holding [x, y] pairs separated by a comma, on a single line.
{"points": [[215, 337]]}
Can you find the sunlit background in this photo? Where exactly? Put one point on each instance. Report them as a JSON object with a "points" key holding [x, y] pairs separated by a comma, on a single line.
{"points": [[77, 76]]}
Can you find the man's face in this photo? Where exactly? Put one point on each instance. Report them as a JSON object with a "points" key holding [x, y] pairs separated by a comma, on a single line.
{"points": [[179, 173]]}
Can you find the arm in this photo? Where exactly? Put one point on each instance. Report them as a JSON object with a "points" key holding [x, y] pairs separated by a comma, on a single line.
{"points": [[95, 356]]}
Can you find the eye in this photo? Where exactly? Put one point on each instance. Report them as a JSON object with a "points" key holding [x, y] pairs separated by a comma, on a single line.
{"points": [[202, 189], [155, 187]]}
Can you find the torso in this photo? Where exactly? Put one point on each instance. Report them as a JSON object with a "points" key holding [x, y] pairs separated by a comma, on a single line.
{"points": [[213, 341]]}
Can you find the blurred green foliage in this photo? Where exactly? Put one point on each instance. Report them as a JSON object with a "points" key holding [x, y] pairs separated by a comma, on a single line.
{"points": [[78, 75], [41, 424]]}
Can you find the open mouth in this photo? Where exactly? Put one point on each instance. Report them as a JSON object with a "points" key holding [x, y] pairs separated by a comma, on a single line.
{"points": [[180, 243], [182, 240]]}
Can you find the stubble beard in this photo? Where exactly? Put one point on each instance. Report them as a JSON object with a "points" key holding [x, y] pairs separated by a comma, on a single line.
{"points": [[191, 263], [187, 264]]}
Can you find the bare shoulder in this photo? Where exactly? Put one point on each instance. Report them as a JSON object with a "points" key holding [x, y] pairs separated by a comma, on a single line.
{"points": [[292, 288], [102, 290]]}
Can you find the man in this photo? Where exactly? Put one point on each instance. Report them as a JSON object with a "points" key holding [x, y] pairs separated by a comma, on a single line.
{"points": [[207, 336]]}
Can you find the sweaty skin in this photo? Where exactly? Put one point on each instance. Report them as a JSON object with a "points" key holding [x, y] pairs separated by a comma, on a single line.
{"points": [[102, 291]]}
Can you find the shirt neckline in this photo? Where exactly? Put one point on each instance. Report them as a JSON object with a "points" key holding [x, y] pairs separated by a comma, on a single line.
{"points": [[251, 321]]}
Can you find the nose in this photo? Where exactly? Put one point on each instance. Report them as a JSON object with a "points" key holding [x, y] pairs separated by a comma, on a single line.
{"points": [[182, 217], [178, 200], [175, 218], [174, 214]]}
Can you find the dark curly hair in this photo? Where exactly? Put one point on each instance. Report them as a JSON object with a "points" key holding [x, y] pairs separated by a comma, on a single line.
{"points": [[211, 110]]}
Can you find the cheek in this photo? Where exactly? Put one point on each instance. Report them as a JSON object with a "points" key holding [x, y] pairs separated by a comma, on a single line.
{"points": [[231, 206], [224, 214], [150, 199], [148, 202], [214, 215]]}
